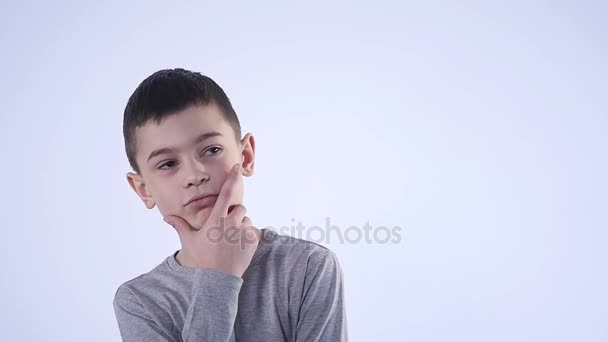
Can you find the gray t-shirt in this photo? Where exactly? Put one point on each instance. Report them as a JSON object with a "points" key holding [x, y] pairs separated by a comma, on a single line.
{"points": [[293, 290]]}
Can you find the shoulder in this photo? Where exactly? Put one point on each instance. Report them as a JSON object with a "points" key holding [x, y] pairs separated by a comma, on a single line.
{"points": [[283, 243], [143, 285], [291, 251]]}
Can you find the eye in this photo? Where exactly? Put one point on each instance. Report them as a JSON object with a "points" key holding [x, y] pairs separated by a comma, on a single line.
{"points": [[213, 150], [169, 163]]}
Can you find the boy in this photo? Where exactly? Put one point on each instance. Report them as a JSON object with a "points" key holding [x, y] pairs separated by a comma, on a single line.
{"points": [[230, 281]]}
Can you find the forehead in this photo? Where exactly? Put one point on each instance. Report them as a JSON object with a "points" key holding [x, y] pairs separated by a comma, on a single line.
{"points": [[180, 130]]}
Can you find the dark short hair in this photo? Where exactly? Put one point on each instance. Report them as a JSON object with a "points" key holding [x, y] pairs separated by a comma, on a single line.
{"points": [[168, 91]]}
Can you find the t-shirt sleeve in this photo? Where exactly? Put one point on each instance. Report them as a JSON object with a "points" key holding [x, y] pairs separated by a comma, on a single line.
{"points": [[322, 311], [210, 317], [135, 322]]}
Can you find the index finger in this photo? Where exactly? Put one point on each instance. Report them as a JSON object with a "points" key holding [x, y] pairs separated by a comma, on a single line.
{"points": [[225, 197]]}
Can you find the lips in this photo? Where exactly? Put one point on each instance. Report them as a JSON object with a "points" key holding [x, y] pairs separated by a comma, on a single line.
{"points": [[201, 201]]}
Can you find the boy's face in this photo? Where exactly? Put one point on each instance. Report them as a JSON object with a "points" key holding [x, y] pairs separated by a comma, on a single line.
{"points": [[190, 153]]}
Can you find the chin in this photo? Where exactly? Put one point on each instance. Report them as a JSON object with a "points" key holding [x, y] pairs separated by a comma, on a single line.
{"points": [[198, 219]]}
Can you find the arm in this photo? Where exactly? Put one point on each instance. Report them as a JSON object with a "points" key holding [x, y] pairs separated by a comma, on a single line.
{"points": [[210, 316], [322, 312]]}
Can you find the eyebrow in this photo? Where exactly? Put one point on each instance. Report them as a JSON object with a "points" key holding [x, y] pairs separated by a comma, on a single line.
{"points": [[196, 141]]}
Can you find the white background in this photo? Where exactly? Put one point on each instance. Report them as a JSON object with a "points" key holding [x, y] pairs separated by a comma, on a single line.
{"points": [[480, 129]]}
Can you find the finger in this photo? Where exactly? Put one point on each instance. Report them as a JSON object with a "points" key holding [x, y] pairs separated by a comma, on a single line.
{"points": [[238, 212], [247, 222], [227, 193], [251, 234]]}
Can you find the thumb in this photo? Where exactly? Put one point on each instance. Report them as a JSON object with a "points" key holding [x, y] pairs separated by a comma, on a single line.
{"points": [[178, 223]]}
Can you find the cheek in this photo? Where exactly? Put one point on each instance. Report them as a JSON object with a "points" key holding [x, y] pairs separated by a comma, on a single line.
{"points": [[167, 197], [219, 170]]}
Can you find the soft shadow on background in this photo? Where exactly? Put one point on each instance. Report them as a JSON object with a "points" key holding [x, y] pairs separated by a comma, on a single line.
{"points": [[480, 130]]}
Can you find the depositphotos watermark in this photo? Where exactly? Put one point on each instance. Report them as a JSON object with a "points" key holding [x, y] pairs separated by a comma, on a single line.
{"points": [[330, 234]]}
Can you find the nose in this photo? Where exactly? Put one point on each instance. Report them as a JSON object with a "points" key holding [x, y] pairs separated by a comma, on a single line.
{"points": [[196, 174]]}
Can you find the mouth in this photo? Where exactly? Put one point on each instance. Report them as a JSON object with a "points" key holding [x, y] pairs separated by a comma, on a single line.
{"points": [[201, 201]]}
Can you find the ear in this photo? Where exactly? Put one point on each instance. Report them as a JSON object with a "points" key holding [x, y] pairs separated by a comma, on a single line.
{"points": [[137, 184], [248, 154]]}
